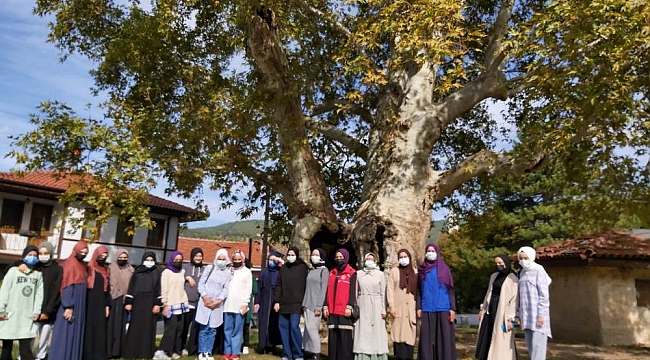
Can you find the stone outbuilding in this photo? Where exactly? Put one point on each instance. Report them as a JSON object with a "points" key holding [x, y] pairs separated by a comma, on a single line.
{"points": [[600, 292]]}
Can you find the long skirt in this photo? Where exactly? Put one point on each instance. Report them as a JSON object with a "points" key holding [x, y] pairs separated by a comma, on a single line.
{"points": [[140, 339], [437, 339], [485, 332], [340, 344], [311, 337], [116, 326]]}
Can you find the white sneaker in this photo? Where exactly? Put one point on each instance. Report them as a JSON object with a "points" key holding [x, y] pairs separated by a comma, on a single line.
{"points": [[245, 350], [209, 356], [160, 355], [185, 352], [175, 356]]}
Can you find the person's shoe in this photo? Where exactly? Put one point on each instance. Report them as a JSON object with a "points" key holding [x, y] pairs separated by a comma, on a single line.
{"points": [[227, 356], [201, 356], [185, 352], [160, 355], [208, 356], [175, 356], [285, 358], [245, 350]]}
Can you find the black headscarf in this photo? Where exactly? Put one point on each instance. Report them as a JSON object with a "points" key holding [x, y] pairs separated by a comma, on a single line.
{"points": [[323, 257], [193, 253], [141, 268], [29, 249], [299, 260], [506, 260]]}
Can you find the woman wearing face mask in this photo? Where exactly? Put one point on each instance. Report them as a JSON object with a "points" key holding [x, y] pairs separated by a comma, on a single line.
{"points": [[193, 271], [97, 307], [436, 307], [340, 297], [21, 297], [401, 291], [143, 302], [236, 305], [213, 290], [52, 275], [119, 275], [313, 303], [268, 330], [370, 336], [534, 303], [175, 306], [67, 340], [289, 293], [496, 338]]}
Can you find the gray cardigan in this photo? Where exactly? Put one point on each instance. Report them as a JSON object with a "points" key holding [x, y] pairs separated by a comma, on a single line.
{"points": [[317, 279]]}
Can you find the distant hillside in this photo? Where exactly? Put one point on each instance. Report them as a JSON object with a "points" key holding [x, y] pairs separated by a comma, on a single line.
{"points": [[233, 230], [250, 228]]}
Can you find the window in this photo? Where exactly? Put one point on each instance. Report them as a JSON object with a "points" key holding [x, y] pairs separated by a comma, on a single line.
{"points": [[92, 226], [123, 229], [12, 214], [156, 235], [41, 217], [642, 292]]}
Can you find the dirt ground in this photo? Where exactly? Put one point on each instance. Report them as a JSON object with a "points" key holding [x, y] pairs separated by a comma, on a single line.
{"points": [[466, 340]]}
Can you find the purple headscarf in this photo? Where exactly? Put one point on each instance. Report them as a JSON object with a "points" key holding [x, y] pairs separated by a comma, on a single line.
{"points": [[444, 274], [346, 259], [170, 262]]}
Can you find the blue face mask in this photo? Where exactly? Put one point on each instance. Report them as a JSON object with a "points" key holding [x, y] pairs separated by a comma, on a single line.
{"points": [[31, 260], [272, 264]]}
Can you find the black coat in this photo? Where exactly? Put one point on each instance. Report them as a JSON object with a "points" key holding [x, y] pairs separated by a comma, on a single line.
{"points": [[52, 276], [290, 289]]}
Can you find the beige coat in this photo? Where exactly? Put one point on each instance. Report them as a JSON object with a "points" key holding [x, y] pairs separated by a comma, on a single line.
{"points": [[403, 327], [503, 343]]}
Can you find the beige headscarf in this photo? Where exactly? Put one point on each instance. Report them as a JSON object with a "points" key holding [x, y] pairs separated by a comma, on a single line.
{"points": [[119, 277]]}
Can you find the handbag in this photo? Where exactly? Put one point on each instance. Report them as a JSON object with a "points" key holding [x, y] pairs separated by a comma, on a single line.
{"points": [[355, 312]]}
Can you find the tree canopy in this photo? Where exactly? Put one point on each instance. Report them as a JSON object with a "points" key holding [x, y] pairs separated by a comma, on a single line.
{"points": [[358, 116]]}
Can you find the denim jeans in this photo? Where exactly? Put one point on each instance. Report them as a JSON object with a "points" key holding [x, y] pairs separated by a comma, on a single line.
{"points": [[234, 332], [289, 325], [206, 337]]}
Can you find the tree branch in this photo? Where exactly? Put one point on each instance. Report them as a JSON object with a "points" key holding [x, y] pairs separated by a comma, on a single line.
{"points": [[334, 105], [340, 136], [484, 162], [327, 17], [499, 28]]}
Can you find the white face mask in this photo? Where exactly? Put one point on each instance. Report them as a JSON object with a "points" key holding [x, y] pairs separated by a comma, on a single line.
{"points": [[316, 259], [369, 264], [148, 264], [404, 261], [291, 258], [526, 264], [221, 264], [432, 256], [44, 258]]}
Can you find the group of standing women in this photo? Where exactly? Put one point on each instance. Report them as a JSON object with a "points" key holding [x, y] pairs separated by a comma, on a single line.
{"points": [[509, 297]]}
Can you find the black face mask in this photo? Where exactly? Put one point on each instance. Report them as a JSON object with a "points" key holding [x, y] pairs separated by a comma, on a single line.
{"points": [[237, 264], [339, 262], [178, 264], [80, 257], [101, 261], [502, 269], [122, 263]]}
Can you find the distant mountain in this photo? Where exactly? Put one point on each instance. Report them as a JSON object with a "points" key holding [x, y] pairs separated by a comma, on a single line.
{"points": [[239, 230]]}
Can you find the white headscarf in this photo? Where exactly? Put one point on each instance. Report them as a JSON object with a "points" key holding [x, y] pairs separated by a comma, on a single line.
{"points": [[220, 252], [531, 253]]}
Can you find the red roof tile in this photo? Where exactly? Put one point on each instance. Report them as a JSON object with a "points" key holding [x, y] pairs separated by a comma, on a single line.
{"points": [[47, 180], [610, 245]]}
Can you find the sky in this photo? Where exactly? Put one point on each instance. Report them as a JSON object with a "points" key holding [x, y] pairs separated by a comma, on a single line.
{"points": [[30, 72]]}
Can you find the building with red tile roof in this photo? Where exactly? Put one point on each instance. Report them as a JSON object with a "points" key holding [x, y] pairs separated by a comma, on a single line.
{"points": [[600, 290]]}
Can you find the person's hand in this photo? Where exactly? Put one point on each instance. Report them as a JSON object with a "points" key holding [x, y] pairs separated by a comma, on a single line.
{"points": [[156, 309], [244, 309], [108, 311], [509, 326], [540, 321], [191, 281], [207, 301], [317, 313], [452, 316], [480, 315], [3, 317], [22, 268], [393, 312], [348, 313], [276, 307], [43, 317], [166, 311], [68, 314], [383, 316], [326, 313], [256, 308], [419, 313], [128, 307]]}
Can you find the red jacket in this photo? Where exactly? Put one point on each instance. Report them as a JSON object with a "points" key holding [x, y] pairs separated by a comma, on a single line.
{"points": [[338, 290]]}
